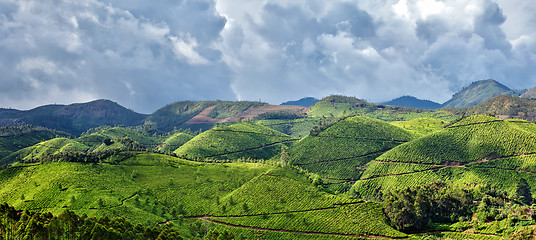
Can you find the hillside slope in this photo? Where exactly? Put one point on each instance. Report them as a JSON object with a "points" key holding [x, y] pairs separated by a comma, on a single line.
{"points": [[205, 114], [339, 152], [504, 107], [241, 140], [473, 150], [531, 93]]}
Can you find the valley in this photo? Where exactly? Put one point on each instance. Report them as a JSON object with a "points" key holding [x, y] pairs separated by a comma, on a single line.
{"points": [[342, 168]]}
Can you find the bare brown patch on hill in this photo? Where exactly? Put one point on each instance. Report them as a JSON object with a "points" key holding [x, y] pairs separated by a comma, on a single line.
{"points": [[250, 113]]}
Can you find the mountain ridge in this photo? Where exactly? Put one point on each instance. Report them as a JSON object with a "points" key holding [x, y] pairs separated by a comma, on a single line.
{"points": [[413, 102]]}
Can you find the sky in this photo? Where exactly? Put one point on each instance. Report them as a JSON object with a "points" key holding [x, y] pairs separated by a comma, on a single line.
{"points": [[146, 54]]}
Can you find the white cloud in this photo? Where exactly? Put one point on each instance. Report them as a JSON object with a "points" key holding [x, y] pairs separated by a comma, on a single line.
{"points": [[145, 54], [185, 48]]}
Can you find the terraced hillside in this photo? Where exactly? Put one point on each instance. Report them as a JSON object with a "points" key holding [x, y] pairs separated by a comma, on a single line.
{"points": [[247, 198], [421, 126], [175, 141], [339, 152], [285, 202], [477, 149], [241, 140]]}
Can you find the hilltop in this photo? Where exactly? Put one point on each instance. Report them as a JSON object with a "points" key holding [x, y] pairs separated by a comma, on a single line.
{"points": [[479, 92], [413, 102], [304, 102], [241, 140], [74, 118]]}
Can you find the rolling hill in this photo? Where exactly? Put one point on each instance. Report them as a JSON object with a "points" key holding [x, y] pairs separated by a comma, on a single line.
{"points": [[470, 151], [338, 152], [241, 140], [246, 198], [413, 102], [73, 118], [304, 102], [204, 115]]}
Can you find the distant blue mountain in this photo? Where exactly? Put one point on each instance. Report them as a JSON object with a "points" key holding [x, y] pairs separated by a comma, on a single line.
{"points": [[413, 102], [304, 102]]}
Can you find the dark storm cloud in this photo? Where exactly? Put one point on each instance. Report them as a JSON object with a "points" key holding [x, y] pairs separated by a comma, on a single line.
{"points": [[146, 54], [62, 52]]}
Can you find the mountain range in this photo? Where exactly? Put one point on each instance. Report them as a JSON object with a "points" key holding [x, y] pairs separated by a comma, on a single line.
{"points": [[78, 118]]}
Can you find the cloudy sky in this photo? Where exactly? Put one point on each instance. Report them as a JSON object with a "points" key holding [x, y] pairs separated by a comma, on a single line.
{"points": [[146, 54]]}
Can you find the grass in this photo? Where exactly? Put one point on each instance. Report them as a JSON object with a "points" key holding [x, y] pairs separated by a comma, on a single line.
{"points": [[242, 140], [293, 127], [352, 142], [148, 188], [421, 126], [151, 188], [175, 141], [471, 139]]}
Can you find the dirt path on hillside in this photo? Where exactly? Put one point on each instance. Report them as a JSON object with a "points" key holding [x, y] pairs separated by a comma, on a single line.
{"points": [[250, 149], [347, 158], [247, 132], [334, 206], [361, 138], [299, 232], [454, 164]]}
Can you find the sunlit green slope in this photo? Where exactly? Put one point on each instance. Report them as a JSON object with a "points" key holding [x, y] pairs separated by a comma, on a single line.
{"points": [[338, 152], [242, 140], [477, 149]]}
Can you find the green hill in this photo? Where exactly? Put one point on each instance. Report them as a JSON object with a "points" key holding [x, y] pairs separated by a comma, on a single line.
{"points": [[338, 152], [282, 200], [458, 153], [74, 118], [245, 198], [13, 139], [175, 141], [241, 140], [479, 92], [98, 137], [421, 126]]}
